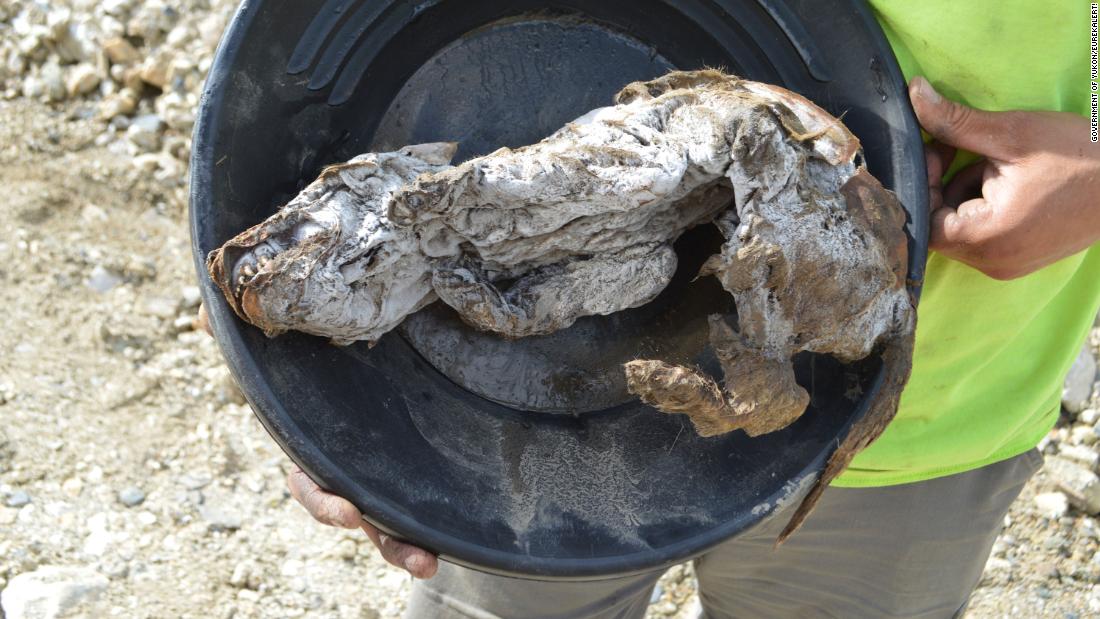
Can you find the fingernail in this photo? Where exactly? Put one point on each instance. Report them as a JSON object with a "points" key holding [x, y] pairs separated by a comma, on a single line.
{"points": [[411, 564], [925, 90]]}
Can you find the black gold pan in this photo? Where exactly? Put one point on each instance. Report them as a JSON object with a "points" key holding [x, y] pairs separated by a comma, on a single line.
{"points": [[527, 457]]}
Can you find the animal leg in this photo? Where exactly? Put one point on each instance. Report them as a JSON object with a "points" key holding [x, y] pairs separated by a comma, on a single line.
{"points": [[554, 296], [761, 394]]}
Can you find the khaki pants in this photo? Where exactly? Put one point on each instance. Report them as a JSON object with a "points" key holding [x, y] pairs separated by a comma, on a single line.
{"points": [[913, 550]]}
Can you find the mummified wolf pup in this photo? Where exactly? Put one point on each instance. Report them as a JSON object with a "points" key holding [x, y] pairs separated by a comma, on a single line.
{"points": [[525, 241]]}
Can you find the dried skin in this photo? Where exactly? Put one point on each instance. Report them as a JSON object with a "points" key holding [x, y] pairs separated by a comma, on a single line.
{"points": [[330, 262], [612, 189], [525, 241], [766, 397], [815, 259], [543, 299]]}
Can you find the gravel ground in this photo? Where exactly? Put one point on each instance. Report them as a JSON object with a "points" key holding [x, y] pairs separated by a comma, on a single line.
{"points": [[134, 481]]}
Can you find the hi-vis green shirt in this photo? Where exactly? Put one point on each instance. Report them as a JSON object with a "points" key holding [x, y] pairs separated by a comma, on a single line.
{"points": [[990, 355]]}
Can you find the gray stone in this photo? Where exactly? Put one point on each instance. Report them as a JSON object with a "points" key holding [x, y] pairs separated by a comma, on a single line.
{"points": [[114, 569], [1082, 435], [1054, 542], [1052, 504], [99, 539], [161, 307], [19, 498], [154, 71], [194, 482], [53, 82], [1081, 486], [1046, 445], [145, 131], [347, 549], [120, 51], [1089, 416], [1086, 529], [1080, 453], [186, 323], [70, 39], [220, 517], [102, 280], [50, 592], [997, 564], [82, 79], [1078, 385], [131, 496], [191, 296], [246, 575], [118, 105], [118, 8], [92, 213], [33, 88]]}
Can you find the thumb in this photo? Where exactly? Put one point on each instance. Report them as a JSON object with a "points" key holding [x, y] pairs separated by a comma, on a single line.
{"points": [[986, 133]]}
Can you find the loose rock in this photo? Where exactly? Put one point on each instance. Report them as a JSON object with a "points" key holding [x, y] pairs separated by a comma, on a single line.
{"points": [[191, 296], [1080, 453], [121, 103], [50, 591], [246, 575], [82, 80], [144, 131], [1088, 416], [53, 82], [102, 280], [220, 517], [1083, 435], [1081, 485], [120, 51], [1079, 380], [154, 71], [1052, 504], [131, 496], [161, 307]]}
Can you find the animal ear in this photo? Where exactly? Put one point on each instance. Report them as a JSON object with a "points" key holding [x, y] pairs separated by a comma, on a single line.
{"points": [[437, 153]]}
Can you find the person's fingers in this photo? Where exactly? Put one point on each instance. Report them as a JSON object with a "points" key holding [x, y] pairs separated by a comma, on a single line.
{"points": [[937, 225], [416, 561], [957, 232], [325, 507], [965, 185], [202, 320], [937, 158], [420, 563], [994, 134]]}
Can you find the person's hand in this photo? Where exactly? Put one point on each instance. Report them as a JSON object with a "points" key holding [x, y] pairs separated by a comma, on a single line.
{"points": [[1034, 197], [327, 508], [332, 510]]}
